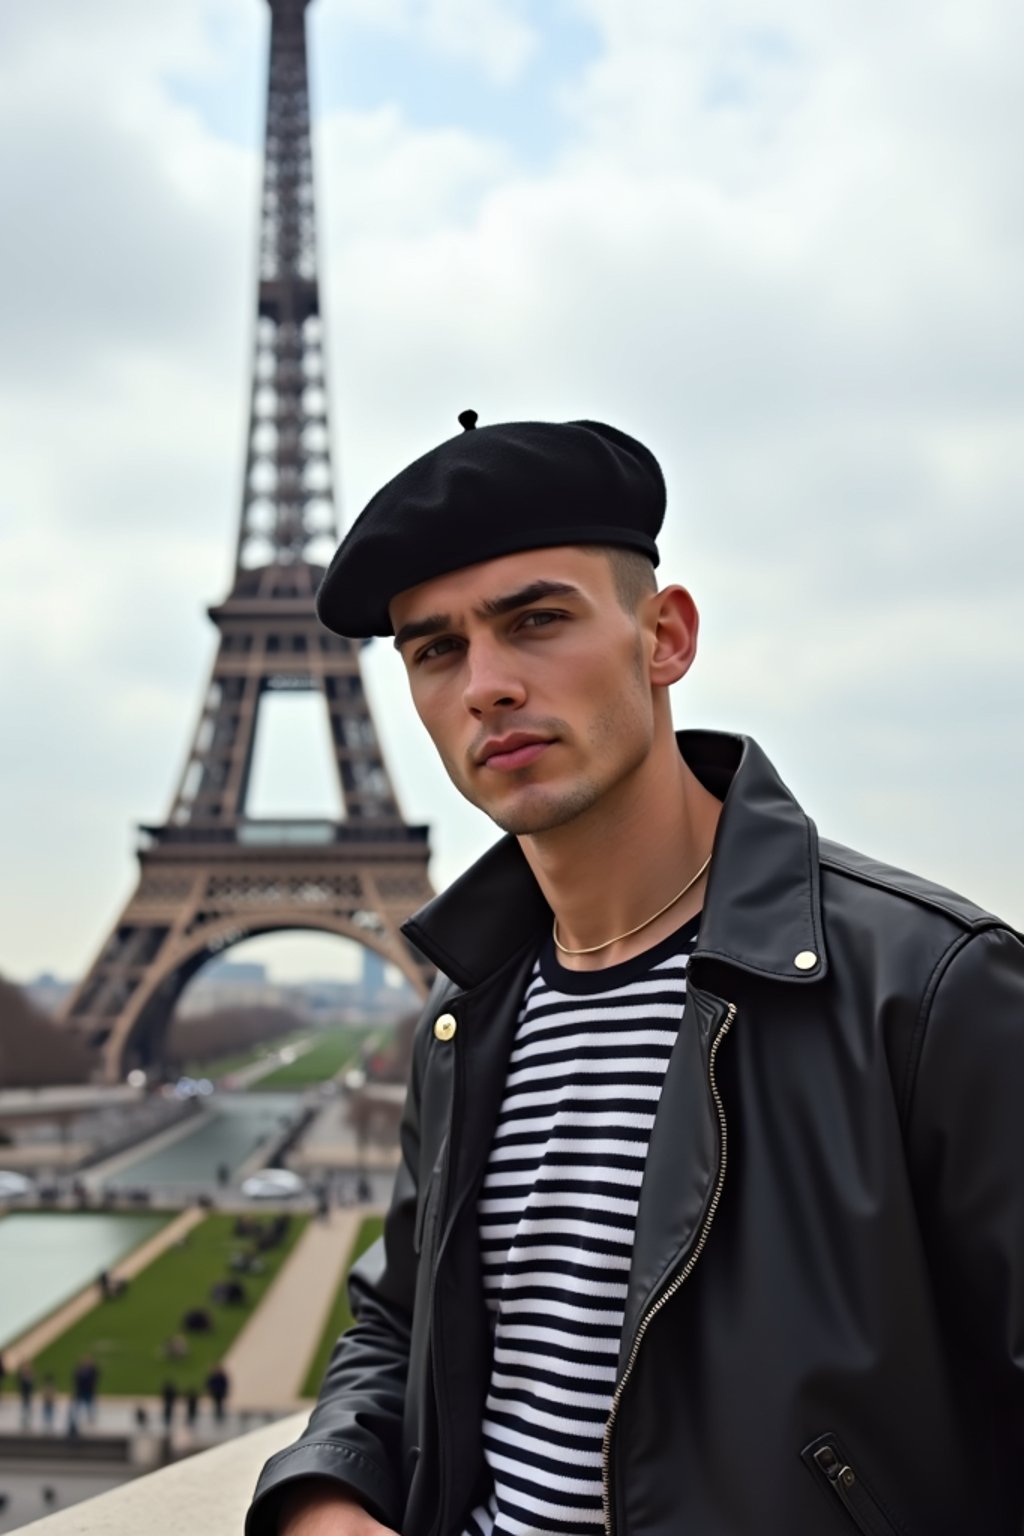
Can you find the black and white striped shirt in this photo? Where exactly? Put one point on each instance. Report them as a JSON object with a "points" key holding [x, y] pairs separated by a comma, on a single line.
{"points": [[557, 1214]]}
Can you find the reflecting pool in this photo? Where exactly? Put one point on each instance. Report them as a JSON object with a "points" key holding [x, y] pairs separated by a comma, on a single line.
{"points": [[47, 1256], [229, 1130]]}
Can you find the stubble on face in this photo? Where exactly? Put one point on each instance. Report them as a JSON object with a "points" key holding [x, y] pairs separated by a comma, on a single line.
{"points": [[545, 811], [617, 741]]}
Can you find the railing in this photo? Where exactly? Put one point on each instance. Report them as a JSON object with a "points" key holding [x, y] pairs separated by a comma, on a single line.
{"points": [[204, 1495], [266, 833]]}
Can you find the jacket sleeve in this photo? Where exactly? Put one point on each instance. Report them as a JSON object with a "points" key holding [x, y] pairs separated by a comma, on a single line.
{"points": [[354, 1434], [966, 1140]]}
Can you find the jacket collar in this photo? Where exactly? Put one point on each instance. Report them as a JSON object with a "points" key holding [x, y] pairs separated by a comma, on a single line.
{"points": [[762, 908]]}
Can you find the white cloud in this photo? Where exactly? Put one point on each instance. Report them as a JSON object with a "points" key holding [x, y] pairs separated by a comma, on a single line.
{"points": [[490, 32], [391, 182], [492, 35], [783, 246]]}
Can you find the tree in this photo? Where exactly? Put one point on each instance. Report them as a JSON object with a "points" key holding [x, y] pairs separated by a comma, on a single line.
{"points": [[34, 1051]]}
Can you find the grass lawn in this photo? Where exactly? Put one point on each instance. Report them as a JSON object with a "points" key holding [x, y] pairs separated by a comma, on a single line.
{"points": [[327, 1057], [220, 1066], [340, 1317], [126, 1337]]}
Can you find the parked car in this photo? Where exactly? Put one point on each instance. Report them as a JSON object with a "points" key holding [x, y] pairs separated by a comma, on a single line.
{"points": [[14, 1186], [273, 1184]]}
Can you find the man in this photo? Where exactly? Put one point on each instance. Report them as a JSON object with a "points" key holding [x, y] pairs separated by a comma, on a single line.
{"points": [[84, 1384], [26, 1379], [710, 1215], [218, 1385]]}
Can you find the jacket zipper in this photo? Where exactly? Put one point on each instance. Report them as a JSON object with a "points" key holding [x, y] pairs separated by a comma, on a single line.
{"points": [[676, 1283], [436, 1352], [861, 1505]]}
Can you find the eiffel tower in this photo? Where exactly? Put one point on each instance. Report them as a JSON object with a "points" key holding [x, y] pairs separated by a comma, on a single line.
{"points": [[211, 875]]}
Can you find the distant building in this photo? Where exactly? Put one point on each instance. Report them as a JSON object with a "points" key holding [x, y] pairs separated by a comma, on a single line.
{"points": [[317, 1002], [374, 967], [47, 992], [243, 973]]}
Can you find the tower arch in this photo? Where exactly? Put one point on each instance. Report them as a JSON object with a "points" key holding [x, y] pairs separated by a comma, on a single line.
{"points": [[138, 1037]]}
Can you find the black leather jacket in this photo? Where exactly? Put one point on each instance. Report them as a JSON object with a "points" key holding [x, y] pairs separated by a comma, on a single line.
{"points": [[825, 1323]]}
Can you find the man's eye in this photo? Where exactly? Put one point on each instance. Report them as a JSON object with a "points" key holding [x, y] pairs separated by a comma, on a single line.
{"points": [[537, 618], [436, 648]]}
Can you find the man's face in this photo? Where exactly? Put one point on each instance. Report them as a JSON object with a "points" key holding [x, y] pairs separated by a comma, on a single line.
{"points": [[532, 682]]}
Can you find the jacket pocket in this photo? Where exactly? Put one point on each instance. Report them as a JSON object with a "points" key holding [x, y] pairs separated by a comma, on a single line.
{"points": [[831, 1467]]}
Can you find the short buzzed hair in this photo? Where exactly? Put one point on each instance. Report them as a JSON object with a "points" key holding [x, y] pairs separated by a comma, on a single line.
{"points": [[632, 574]]}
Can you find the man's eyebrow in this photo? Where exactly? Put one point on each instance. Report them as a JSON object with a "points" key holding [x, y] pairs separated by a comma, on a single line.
{"points": [[491, 608], [433, 624], [494, 607]]}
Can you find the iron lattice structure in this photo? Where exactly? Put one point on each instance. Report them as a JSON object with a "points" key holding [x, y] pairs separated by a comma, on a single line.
{"points": [[211, 875]]}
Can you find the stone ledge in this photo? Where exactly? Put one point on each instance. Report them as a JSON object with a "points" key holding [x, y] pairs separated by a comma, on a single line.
{"points": [[204, 1495]]}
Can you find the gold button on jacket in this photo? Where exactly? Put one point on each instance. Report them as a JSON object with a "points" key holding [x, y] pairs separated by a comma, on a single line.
{"points": [[445, 1026]]}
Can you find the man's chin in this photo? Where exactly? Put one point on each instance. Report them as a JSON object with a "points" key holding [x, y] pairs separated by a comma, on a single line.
{"points": [[533, 814]]}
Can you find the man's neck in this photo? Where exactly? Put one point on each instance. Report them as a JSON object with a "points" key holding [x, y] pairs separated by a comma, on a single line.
{"points": [[612, 868]]}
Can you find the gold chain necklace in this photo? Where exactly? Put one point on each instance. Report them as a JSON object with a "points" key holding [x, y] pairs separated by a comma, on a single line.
{"points": [[593, 949]]}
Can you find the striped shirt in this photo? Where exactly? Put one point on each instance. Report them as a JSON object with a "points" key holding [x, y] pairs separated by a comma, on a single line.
{"points": [[557, 1214]]}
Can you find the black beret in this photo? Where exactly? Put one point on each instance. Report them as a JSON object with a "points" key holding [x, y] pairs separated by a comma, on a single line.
{"points": [[490, 492]]}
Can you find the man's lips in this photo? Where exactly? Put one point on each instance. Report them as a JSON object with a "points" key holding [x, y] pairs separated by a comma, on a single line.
{"points": [[512, 752]]}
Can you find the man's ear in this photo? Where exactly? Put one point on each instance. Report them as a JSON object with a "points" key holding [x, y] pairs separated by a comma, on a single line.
{"points": [[672, 621]]}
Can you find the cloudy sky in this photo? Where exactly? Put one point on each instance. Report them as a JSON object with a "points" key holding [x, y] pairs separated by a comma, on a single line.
{"points": [[782, 242]]}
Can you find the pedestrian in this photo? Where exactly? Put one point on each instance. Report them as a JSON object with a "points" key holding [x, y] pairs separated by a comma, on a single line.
{"points": [[26, 1381], [218, 1385], [84, 1383], [49, 1400], [710, 1214], [191, 1407], [169, 1395]]}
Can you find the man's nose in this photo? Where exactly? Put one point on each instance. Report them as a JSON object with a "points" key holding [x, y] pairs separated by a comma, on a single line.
{"points": [[492, 682]]}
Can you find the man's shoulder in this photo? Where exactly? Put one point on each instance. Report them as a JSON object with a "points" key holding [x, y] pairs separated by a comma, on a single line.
{"points": [[902, 887]]}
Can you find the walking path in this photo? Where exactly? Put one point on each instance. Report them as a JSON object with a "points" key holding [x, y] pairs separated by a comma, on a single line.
{"points": [[330, 1141], [127, 1268], [116, 1416], [244, 1077], [268, 1362]]}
